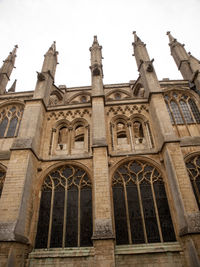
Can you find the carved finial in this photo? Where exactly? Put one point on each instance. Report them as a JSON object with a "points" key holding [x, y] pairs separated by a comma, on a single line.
{"points": [[136, 38], [95, 40], [171, 38]]}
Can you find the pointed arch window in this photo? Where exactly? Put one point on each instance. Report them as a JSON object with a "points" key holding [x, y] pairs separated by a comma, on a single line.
{"points": [[182, 109], [141, 210], [2, 180], [10, 118], [193, 168], [65, 217], [121, 133], [70, 138]]}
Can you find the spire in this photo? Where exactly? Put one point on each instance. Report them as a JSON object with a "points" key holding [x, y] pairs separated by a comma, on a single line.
{"points": [[140, 50], [181, 57], [96, 55], [12, 88], [50, 60], [45, 78], [145, 66], [6, 69], [96, 67]]}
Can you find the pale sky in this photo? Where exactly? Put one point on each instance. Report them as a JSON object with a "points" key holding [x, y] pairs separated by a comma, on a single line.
{"points": [[35, 24]]}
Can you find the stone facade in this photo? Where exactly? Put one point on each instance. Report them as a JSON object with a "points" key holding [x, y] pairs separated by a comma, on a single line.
{"points": [[99, 129]]}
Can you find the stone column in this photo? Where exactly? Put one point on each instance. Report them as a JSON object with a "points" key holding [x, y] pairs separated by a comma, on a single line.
{"points": [[103, 238]]}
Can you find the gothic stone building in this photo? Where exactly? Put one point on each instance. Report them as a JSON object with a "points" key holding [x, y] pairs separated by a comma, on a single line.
{"points": [[101, 175]]}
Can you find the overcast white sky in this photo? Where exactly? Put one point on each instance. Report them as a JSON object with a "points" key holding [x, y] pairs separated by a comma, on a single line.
{"points": [[35, 24]]}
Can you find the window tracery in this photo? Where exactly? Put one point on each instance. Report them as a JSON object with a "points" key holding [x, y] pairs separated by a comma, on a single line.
{"points": [[141, 210], [10, 118], [182, 108], [65, 216], [193, 168]]}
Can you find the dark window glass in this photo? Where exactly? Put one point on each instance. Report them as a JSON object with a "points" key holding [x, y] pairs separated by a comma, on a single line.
{"points": [[65, 218], [176, 112], [57, 217], [12, 127], [3, 126], [140, 205], [164, 213], [193, 168], [186, 112], [72, 218], [195, 110], [43, 223], [120, 215], [86, 216], [136, 225]]}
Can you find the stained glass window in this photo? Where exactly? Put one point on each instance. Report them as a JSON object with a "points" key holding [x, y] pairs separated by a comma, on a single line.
{"points": [[10, 118], [65, 217], [141, 208], [193, 168]]}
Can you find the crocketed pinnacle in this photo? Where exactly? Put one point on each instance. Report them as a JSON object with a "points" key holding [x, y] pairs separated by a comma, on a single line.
{"points": [[12, 54]]}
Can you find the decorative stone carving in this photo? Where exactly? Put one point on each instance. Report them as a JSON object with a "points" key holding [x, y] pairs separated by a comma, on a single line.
{"points": [[40, 76]]}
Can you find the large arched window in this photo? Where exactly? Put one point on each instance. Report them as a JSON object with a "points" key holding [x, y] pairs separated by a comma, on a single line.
{"points": [[65, 217], [10, 118], [141, 209], [2, 179], [193, 168]]}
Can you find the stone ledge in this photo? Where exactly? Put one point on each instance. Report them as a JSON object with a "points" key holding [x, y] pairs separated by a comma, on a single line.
{"points": [[193, 224], [190, 141], [62, 252], [148, 248]]}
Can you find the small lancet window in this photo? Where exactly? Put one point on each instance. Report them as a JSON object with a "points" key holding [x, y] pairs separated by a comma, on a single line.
{"points": [[63, 137], [79, 137], [138, 131], [186, 112], [176, 112], [121, 133], [195, 110]]}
